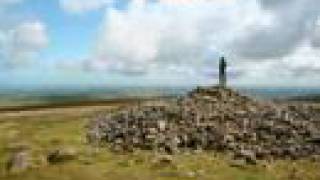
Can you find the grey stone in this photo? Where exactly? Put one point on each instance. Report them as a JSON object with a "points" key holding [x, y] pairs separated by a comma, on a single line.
{"points": [[213, 118], [18, 161]]}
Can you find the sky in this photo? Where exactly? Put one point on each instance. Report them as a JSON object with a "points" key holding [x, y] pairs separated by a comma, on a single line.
{"points": [[51, 43]]}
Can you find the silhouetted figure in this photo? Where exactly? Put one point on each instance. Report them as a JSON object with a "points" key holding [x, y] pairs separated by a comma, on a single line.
{"points": [[222, 72]]}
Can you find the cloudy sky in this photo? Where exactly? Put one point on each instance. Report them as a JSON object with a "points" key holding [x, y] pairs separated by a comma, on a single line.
{"points": [[267, 43]]}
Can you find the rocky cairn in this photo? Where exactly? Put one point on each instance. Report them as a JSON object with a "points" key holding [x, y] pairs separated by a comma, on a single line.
{"points": [[213, 118]]}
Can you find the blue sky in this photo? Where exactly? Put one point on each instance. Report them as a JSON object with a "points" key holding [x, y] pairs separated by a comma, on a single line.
{"points": [[70, 36], [158, 42]]}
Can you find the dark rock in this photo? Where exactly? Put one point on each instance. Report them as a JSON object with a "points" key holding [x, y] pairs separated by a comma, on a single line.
{"points": [[161, 161], [164, 159], [315, 158], [238, 163], [61, 155]]}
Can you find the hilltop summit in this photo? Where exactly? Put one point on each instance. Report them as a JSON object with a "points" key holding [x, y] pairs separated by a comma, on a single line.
{"points": [[213, 118]]}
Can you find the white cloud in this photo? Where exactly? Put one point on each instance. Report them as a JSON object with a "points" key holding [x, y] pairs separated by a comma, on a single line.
{"points": [[30, 35], [300, 68], [23, 42], [191, 35], [160, 34], [80, 6], [293, 23], [186, 37], [181, 40]]}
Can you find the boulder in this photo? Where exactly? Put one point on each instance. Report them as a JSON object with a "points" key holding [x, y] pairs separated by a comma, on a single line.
{"points": [[61, 155], [238, 163], [161, 161], [18, 161]]}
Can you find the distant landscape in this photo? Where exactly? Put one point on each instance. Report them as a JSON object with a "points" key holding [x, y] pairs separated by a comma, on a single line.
{"points": [[47, 97], [17, 98]]}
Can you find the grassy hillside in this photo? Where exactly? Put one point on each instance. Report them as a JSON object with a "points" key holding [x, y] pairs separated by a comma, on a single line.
{"points": [[45, 130]]}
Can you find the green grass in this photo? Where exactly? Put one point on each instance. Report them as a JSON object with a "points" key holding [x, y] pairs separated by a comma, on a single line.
{"points": [[44, 131]]}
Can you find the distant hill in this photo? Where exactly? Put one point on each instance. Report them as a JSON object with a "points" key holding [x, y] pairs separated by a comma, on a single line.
{"points": [[306, 98]]}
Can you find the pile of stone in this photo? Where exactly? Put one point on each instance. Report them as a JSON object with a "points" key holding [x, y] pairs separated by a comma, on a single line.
{"points": [[213, 118]]}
